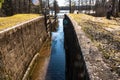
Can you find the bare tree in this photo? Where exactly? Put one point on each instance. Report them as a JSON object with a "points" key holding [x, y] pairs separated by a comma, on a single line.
{"points": [[48, 4], [81, 5], [41, 6], [70, 6], [8, 7], [56, 7], [113, 5], [24, 6], [115, 8], [119, 5], [100, 7], [79, 1]]}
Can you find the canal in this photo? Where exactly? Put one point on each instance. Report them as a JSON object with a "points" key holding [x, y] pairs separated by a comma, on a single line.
{"points": [[51, 62], [56, 67]]}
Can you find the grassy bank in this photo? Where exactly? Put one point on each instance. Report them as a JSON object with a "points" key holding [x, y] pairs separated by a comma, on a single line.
{"points": [[6, 22], [105, 34]]}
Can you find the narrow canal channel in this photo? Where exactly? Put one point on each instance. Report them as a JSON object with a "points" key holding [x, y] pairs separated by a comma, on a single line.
{"points": [[56, 67], [51, 66]]}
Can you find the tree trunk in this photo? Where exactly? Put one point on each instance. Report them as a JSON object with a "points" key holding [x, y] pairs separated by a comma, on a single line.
{"points": [[29, 6], [90, 6], [19, 7], [55, 8], [113, 7], [79, 5], [24, 7], [70, 6], [119, 6], [48, 4], [41, 6], [14, 7], [8, 8]]}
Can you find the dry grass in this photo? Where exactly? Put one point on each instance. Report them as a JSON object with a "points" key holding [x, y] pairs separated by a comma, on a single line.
{"points": [[102, 20], [10, 21]]}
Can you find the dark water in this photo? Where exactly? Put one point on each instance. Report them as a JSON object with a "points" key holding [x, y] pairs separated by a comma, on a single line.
{"points": [[56, 67]]}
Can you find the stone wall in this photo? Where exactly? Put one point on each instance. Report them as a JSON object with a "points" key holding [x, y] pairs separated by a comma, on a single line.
{"points": [[75, 64], [18, 45]]}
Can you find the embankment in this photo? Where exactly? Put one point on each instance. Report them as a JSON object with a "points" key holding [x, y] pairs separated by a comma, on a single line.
{"points": [[84, 60], [18, 45], [75, 64]]}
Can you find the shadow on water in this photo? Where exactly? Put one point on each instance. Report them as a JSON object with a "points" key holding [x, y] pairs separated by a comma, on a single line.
{"points": [[56, 67]]}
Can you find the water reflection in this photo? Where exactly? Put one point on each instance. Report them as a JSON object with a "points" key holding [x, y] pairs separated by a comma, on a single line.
{"points": [[56, 68]]}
